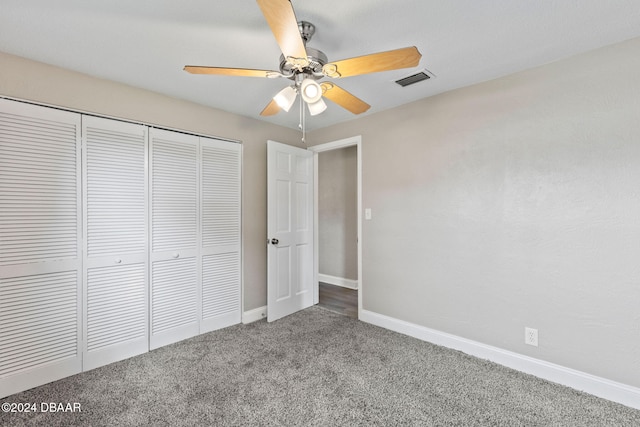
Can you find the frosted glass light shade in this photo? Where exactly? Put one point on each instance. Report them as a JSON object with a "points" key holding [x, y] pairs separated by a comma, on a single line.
{"points": [[317, 107], [310, 91], [285, 98]]}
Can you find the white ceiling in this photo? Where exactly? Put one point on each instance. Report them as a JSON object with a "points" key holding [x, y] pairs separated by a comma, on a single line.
{"points": [[145, 43]]}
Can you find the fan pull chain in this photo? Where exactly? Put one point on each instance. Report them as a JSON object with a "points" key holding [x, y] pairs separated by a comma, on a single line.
{"points": [[302, 125]]}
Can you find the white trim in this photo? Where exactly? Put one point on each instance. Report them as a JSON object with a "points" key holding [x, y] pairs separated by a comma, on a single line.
{"points": [[597, 386], [342, 143], [254, 315], [334, 145], [338, 281]]}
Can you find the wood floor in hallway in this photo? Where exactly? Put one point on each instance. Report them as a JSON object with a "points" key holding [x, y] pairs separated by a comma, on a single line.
{"points": [[338, 299]]}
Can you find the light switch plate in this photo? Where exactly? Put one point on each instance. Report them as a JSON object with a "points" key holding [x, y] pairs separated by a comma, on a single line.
{"points": [[367, 213]]}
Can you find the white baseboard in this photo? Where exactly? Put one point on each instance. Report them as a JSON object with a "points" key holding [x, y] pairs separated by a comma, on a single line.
{"points": [[601, 387], [254, 315], [338, 281]]}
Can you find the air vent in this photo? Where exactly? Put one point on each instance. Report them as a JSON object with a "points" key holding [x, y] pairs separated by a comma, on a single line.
{"points": [[415, 78]]}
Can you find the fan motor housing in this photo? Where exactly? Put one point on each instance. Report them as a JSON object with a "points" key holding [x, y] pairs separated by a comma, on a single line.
{"points": [[316, 60]]}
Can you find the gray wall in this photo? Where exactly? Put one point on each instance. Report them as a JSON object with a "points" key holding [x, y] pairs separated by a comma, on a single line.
{"points": [[33, 81], [337, 213], [513, 203]]}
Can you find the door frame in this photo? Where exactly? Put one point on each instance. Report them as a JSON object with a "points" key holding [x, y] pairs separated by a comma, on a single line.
{"points": [[336, 145]]}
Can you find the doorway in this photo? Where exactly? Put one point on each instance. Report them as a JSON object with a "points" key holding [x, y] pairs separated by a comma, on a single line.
{"points": [[340, 300], [338, 273]]}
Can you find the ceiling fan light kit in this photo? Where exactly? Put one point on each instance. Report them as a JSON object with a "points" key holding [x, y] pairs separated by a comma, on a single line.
{"points": [[285, 98], [305, 65], [317, 107], [311, 91]]}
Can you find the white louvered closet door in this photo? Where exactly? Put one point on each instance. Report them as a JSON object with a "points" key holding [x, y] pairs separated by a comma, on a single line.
{"points": [[175, 289], [40, 253], [220, 230], [116, 235]]}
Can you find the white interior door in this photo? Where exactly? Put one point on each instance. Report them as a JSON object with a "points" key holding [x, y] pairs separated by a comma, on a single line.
{"points": [[220, 249], [290, 229], [40, 246], [116, 234], [174, 237]]}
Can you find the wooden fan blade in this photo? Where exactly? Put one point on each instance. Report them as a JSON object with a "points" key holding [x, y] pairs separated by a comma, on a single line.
{"points": [[242, 72], [271, 109], [343, 98], [284, 25], [383, 61]]}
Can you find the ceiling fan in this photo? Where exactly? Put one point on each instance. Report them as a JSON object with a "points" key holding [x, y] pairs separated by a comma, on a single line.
{"points": [[305, 65]]}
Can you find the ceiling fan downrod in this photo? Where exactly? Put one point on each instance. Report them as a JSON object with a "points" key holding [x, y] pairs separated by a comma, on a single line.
{"points": [[307, 30]]}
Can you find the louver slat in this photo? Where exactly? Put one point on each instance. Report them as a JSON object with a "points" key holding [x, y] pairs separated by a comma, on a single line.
{"points": [[220, 284], [34, 336], [220, 196], [38, 189], [115, 191], [115, 305], [174, 294], [174, 195]]}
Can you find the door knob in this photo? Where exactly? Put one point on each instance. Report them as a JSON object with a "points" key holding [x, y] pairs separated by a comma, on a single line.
{"points": [[275, 241]]}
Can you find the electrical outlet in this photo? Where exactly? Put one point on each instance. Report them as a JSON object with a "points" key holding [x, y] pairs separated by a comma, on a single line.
{"points": [[531, 336]]}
